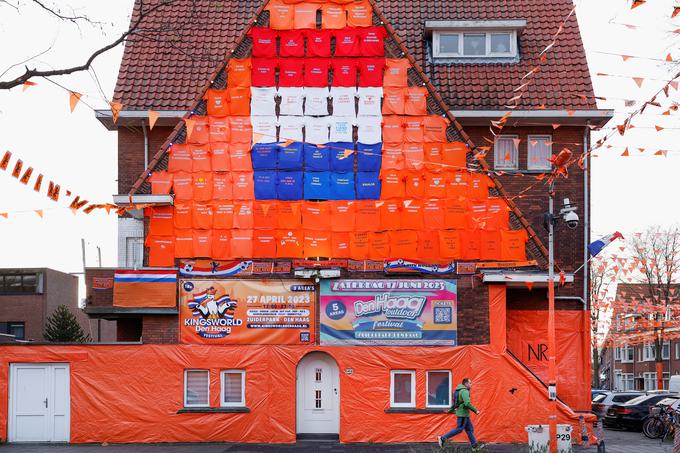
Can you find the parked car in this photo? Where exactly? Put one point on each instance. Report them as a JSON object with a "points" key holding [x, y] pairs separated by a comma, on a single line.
{"points": [[674, 384], [632, 413], [595, 392], [603, 401]]}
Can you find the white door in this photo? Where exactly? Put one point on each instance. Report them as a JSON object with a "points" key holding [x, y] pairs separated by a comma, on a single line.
{"points": [[39, 403], [318, 395]]}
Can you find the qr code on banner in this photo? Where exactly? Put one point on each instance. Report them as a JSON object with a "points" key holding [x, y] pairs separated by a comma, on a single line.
{"points": [[442, 315], [304, 337]]}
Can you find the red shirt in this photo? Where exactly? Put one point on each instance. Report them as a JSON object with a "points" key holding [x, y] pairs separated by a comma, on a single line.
{"points": [[264, 41], [264, 72], [318, 43], [316, 72], [291, 43], [371, 41], [290, 72], [371, 72], [344, 72], [346, 42]]}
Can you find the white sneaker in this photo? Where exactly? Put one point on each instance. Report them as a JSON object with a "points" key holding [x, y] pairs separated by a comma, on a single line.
{"points": [[440, 441]]}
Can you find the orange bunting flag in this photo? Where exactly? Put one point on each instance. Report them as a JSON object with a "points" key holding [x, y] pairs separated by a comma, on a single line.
{"points": [[555, 125], [17, 168], [625, 58], [669, 57], [638, 81], [625, 152], [674, 84], [40, 212], [659, 128], [116, 107], [5, 160], [190, 126], [346, 153], [153, 117], [676, 11], [74, 98], [637, 3], [26, 176], [530, 285], [38, 183], [4, 214], [27, 84], [642, 150]]}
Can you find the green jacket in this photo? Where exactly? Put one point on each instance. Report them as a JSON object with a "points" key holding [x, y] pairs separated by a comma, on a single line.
{"points": [[464, 407]]}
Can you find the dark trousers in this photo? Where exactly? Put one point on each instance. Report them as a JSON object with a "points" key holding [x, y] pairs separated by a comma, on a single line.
{"points": [[464, 423]]}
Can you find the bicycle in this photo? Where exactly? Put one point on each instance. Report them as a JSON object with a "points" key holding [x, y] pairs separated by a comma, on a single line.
{"points": [[660, 423]]}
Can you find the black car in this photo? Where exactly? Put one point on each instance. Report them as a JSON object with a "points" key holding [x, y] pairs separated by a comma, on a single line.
{"points": [[632, 413]]}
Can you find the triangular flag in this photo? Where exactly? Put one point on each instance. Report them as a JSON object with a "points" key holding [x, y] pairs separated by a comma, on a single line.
{"points": [[27, 84], [116, 107], [637, 3], [642, 150], [555, 125], [153, 117], [74, 98], [530, 285], [190, 126], [659, 128], [669, 57], [40, 212], [625, 153], [638, 81], [346, 153], [625, 58], [4, 214], [674, 84], [676, 11]]}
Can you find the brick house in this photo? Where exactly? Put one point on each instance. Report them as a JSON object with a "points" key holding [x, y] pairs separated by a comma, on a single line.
{"points": [[468, 58], [633, 367]]}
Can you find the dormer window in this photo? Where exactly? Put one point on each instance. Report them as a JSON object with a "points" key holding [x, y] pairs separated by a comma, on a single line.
{"points": [[474, 40]]}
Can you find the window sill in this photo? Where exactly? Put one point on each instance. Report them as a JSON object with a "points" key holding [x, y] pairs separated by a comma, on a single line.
{"points": [[413, 410], [213, 410]]}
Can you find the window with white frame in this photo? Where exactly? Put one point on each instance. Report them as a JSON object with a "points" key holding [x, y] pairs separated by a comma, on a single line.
{"points": [[677, 350], [233, 388], [196, 388], [474, 44], [403, 388], [649, 379], [640, 353], [134, 252], [618, 380], [666, 380], [539, 150], [648, 352], [666, 350], [627, 354], [628, 381], [505, 152], [439, 388], [617, 353]]}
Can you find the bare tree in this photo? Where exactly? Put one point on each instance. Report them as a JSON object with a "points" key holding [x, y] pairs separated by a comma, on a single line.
{"points": [[602, 277]]}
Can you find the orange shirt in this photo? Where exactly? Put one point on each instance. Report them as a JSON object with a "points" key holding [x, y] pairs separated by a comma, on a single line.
{"points": [[239, 100], [290, 215], [240, 129], [305, 15], [477, 217], [219, 156], [264, 244], [217, 102], [449, 244], [182, 186], [413, 129], [342, 216], [393, 129], [379, 246], [435, 184], [238, 71], [290, 243], [396, 72], [390, 214], [414, 157], [428, 246], [358, 245], [333, 16], [243, 215], [242, 243], [200, 133], [491, 245], [340, 245], [367, 215], [434, 214], [513, 245], [454, 155], [392, 156], [317, 244], [179, 158], [393, 100], [202, 216], [223, 214], [415, 184], [239, 157], [455, 215], [183, 217], [161, 221], [265, 215], [161, 182], [202, 243], [416, 101], [202, 186], [479, 186], [498, 214], [392, 184], [403, 244], [281, 15], [433, 156], [458, 184], [359, 14], [472, 244], [316, 216], [412, 215], [219, 128], [222, 186], [221, 245], [242, 183], [200, 158], [184, 243], [434, 128], [161, 251]]}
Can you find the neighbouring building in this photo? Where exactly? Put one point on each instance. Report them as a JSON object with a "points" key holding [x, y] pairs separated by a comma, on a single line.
{"points": [[633, 366], [323, 236]]}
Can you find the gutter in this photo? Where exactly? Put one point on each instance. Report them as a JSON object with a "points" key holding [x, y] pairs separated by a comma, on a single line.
{"points": [[137, 118], [595, 117], [586, 218]]}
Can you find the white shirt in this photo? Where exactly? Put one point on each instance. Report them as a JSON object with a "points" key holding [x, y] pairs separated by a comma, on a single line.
{"points": [[291, 100], [370, 130], [316, 101], [343, 101], [316, 129], [264, 129], [291, 128], [369, 101], [341, 128], [262, 101]]}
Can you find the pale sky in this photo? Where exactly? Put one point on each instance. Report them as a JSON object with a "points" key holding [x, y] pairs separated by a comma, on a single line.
{"points": [[74, 149]]}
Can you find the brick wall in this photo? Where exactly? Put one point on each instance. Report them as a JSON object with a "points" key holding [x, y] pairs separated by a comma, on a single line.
{"points": [[473, 311], [131, 153], [129, 329], [98, 297], [160, 329]]}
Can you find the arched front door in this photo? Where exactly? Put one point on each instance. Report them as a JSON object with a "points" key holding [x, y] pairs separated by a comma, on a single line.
{"points": [[318, 395]]}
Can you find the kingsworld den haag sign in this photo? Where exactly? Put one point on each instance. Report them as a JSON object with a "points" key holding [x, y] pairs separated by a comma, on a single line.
{"points": [[247, 311], [388, 312]]}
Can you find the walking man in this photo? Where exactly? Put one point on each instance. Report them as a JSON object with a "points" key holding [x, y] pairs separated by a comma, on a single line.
{"points": [[462, 407]]}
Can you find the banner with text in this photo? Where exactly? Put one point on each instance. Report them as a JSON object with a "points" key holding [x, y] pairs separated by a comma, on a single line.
{"points": [[247, 311], [388, 312]]}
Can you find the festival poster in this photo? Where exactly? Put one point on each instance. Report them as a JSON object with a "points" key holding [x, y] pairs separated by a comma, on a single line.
{"points": [[388, 312], [247, 311]]}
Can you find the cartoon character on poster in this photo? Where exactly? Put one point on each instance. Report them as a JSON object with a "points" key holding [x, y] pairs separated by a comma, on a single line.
{"points": [[213, 313]]}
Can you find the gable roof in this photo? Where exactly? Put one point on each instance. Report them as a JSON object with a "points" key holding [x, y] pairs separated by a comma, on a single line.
{"points": [[161, 70]]}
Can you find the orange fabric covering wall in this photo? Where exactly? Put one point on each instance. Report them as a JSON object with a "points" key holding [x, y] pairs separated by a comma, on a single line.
{"points": [[529, 329], [130, 393]]}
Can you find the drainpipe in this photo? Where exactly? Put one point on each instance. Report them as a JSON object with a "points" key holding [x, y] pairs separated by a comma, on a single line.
{"points": [[146, 145], [586, 216]]}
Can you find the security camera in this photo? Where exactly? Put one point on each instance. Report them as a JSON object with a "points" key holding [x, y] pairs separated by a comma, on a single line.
{"points": [[571, 219]]}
